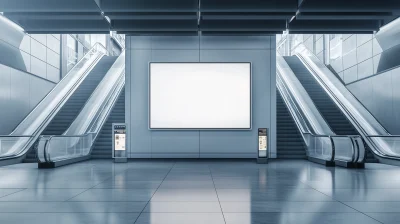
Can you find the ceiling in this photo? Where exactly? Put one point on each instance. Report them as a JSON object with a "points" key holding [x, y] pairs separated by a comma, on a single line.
{"points": [[208, 16]]}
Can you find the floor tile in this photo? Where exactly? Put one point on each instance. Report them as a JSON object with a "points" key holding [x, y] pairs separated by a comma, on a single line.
{"points": [[194, 207], [187, 185], [281, 194], [185, 195], [374, 206], [180, 218], [285, 206], [298, 218], [363, 194], [5, 192], [387, 218], [68, 218], [115, 195], [129, 184], [43, 195]]}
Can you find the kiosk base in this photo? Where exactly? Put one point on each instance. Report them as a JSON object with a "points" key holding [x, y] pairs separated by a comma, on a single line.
{"points": [[262, 160], [120, 160]]}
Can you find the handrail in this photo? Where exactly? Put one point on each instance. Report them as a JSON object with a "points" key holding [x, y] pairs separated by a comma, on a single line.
{"points": [[370, 129], [322, 143], [78, 140], [35, 122]]}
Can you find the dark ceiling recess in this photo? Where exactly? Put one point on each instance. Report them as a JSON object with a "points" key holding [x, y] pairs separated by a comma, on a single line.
{"points": [[206, 16]]}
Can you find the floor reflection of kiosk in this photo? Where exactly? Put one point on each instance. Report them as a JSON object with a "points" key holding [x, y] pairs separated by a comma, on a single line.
{"points": [[119, 142], [262, 145]]}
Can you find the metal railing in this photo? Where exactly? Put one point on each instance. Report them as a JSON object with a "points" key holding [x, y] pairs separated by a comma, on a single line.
{"points": [[382, 143], [322, 143], [78, 140], [27, 132]]}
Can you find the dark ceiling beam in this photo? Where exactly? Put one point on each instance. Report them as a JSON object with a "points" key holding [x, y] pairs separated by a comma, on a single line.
{"points": [[154, 25], [48, 6], [151, 16], [54, 16], [249, 6], [338, 26], [149, 5], [349, 5], [246, 16], [241, 26], [343, 16], [67, 26]]}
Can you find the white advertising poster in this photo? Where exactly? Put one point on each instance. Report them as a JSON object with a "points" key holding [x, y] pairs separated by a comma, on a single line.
{"points": [[119, 142], [200, 96]]}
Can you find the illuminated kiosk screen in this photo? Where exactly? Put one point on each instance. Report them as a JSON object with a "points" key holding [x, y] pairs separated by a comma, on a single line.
{"points": [[200, 96]]}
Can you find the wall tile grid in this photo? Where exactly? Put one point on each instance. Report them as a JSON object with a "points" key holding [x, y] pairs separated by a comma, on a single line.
{"points": [[359, 56], [38, 54]]}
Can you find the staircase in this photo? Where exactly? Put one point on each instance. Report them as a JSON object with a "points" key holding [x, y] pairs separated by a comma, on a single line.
{"points": [[70, 110], [290, 144], [338, 122], [103, 146]]}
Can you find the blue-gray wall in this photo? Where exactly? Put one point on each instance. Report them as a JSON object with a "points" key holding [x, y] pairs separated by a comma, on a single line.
{"points": [[380, 94], [145, 143], [29, 69]]}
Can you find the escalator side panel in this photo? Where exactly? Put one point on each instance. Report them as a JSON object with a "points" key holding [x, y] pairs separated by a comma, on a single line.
{"points": [[102, 148], [290, 144]]}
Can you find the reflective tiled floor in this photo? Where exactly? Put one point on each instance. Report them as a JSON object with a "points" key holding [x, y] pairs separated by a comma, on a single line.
{"points": [[199, 191]]}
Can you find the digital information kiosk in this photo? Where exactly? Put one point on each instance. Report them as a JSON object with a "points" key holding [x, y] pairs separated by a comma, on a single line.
{"points": [[120, 154], [262, 145]]}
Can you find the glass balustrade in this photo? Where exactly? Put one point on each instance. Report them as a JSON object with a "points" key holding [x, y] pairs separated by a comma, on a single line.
{"points": [[322, 143], [382, 143], [78, 139], [27, 132]]}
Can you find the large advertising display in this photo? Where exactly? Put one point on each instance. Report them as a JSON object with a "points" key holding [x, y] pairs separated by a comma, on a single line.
{"points": [[200, 95]]}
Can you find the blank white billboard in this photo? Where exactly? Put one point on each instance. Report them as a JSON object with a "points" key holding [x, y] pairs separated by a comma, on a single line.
{"points": [[200, 96]]}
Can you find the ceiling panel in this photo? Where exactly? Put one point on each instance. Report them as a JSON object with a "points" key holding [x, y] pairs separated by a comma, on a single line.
{"points": [[48, 6], [208, 16]]}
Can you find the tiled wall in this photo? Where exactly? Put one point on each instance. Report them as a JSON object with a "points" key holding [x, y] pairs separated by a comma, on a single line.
{"points": [[354, 57], [43, 55]]}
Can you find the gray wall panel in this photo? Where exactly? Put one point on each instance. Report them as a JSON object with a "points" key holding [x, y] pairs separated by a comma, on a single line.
{"points": [[139, 42], [38, 89], [20, 91], [38, 50], [395, 120], [235, 42], [143, 142], [140, 135], [38, 67], [382, 98], [5, 92], [175, 42]]}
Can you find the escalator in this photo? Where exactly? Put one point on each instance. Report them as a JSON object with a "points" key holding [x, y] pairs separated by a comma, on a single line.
{"points": [[338, 122], [290, 144], [103, 145], [67, 114]]}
